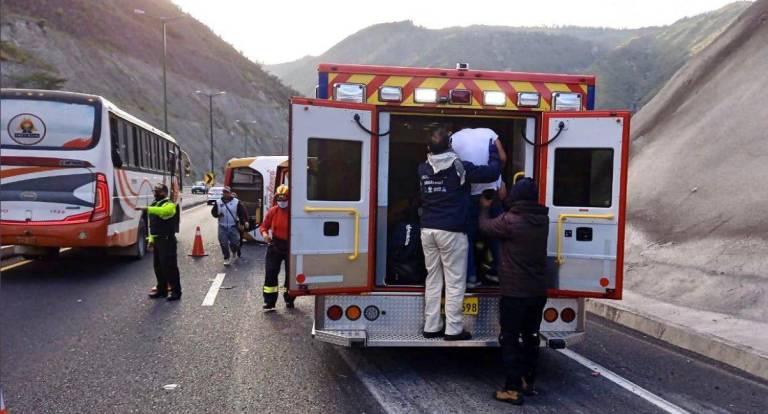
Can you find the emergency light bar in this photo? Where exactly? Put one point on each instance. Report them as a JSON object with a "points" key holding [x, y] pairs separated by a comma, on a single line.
{"points": [[349, 92], [528, 99], [425, 95], [495, 98], [566, 101], [390, 94]]}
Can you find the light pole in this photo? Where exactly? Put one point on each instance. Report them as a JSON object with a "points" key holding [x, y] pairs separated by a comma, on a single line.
{"points": [[164, 21], [245, 136], [210, 110]]}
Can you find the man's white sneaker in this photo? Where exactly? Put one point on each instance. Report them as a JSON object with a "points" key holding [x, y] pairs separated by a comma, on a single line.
{"points": [[227, 262]]}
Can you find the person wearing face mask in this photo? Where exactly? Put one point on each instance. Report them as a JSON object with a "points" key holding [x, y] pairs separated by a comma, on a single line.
{"points": [[163, 222], [231, 215], [276, 223]]}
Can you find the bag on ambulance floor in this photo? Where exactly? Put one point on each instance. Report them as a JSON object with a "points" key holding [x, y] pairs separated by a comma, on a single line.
{"points": [[405, 258]]}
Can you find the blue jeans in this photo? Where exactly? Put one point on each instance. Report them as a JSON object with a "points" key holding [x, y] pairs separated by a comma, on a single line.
{"points": [[472, 230], [229, 240]]}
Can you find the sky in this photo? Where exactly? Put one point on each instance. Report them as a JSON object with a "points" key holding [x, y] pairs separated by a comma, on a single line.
{"points": [[275, 31]]}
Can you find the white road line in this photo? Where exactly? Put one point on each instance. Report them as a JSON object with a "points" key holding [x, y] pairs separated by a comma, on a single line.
{"points": [[624, 383], [210, 297]]}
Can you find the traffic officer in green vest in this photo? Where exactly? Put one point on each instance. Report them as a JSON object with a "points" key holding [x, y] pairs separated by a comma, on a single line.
{"points": [[163, 225]]}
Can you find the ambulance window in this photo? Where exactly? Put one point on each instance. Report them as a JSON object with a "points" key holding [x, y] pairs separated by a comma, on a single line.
{"points": [[583, 177], [334, 169]]}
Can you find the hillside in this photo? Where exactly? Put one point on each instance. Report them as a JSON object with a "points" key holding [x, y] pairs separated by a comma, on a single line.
{"points": [[630, 64], [105, 48], [699, 233]]}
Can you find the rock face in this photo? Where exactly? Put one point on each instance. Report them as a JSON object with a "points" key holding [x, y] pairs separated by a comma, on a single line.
{"points": [[698, 178], [105, 48]]}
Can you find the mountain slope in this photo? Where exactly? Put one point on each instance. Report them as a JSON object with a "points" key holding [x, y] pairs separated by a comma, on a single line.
{"points": [[105, 48], [630, 64], [698, 193]]}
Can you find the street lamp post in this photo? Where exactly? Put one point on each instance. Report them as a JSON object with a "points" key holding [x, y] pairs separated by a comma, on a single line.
{"points": [[164, 21], [245, 136], [210, 111]]}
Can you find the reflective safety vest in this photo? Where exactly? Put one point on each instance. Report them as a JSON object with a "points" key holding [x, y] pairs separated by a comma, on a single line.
{"points": [[227, 212]]}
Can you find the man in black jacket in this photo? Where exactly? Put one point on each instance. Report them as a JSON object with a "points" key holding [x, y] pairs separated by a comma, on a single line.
{"points": [[232, 218], [523, 231], [445, 193]]}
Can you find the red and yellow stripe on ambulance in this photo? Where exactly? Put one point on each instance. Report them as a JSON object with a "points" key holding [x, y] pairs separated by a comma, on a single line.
{"points": [[476, 85]]}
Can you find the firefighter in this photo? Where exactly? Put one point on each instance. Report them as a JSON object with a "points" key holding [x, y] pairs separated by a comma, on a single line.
{"points": [[232, 216], [163, 225], [445, 197], [523, 231], [276, 221]]}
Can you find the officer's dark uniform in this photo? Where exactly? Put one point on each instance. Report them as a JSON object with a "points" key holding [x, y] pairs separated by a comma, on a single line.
{"points": [[163, 234]]}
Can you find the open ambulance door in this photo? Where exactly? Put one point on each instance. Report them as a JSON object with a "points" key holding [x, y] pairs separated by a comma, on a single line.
{"points": [[331, 158], [585, 169]]}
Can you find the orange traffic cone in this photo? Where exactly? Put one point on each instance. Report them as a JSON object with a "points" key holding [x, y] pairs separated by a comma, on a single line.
{"points": [[197, 247]]}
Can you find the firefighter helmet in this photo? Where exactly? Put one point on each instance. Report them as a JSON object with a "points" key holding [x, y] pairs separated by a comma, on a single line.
{"points": [[281, 193]]}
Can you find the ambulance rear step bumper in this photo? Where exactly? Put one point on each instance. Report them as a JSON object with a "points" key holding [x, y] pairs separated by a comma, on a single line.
{"points": [[360, 338], [561, 339]]}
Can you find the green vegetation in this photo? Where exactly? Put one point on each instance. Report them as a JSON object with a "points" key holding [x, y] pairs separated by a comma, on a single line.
{"points": [[10, 53], [38, 80]]}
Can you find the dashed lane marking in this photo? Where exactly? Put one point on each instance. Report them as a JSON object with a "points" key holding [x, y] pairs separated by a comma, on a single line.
{"points": [[210, 297], [630, 386]]}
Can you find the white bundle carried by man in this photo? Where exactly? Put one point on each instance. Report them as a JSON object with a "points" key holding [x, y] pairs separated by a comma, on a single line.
{"points": [[471, 144]]}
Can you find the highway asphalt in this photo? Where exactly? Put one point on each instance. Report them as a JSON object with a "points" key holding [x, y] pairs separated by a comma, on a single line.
{"points": [[79, 335]]}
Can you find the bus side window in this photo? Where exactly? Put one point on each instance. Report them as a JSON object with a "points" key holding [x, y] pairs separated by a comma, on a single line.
{"points": [[134, 146], [123, 139]]}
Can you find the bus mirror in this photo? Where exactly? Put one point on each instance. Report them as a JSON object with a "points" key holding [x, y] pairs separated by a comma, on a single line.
{"points": [[187, 169]]}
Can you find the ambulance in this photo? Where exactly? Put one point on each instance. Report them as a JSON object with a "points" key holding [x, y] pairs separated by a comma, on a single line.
{"points": [[254, 180], [354, 152]]}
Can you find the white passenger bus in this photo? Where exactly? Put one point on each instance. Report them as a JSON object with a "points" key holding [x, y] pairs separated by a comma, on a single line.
{"points": [[74, 167]]}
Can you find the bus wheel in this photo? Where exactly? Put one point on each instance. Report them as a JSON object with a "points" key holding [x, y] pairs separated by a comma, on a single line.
{"points": [[140, 247]]}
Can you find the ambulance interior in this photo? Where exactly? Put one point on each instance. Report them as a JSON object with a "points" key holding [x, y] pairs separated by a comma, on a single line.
{"points": [[402, 262]]}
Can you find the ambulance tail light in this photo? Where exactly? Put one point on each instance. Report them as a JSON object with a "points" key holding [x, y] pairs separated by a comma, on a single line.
{"points": [[334, 313], [353, 312], [349, 92], [568, 315], [550, 315], [566, 101], [390, 94], [101, 201], [494, 98], [528, 99], [425, 95], [461, 97]]}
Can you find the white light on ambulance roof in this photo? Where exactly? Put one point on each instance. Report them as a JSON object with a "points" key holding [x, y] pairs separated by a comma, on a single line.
{"points": [[349, 92], [425, 95], [391, 94], [495, 98], [566, 101], [529, 99]]}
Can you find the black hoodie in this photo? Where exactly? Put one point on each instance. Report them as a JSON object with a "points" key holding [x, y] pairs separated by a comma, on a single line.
{"points": [[523, 232]]}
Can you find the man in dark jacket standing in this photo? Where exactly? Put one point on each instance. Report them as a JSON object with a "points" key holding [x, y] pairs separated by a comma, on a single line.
{"points": [[445, 197], [523, 232]]}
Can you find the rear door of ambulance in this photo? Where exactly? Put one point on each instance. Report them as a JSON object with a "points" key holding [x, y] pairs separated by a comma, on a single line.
{"points": [[585, 171], [332, 157]]}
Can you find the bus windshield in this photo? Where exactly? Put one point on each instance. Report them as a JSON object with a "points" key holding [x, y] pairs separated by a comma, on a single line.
{"points": [[48, 124]]}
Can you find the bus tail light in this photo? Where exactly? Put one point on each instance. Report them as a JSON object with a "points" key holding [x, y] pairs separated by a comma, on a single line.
{"points": [[101, 202]]}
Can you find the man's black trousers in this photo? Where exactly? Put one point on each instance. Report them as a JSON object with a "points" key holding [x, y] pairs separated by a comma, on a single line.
{"points": [[277, 253], [520, 319], [166, 266]]}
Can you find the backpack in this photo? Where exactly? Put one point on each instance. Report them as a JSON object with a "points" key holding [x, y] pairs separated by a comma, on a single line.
{"points": [[405, 257]]}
